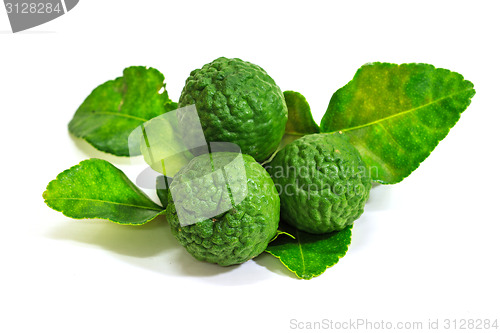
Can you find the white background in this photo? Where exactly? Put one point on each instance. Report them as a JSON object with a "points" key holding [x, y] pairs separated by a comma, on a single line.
{"points": [[426, 248]]}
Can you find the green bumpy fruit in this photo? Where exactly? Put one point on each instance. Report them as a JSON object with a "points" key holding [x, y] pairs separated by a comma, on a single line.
{"points": [[237, 102], [236, 205], [322, 181]]}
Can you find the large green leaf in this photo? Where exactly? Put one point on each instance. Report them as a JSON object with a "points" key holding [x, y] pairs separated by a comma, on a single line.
{"points": [[115, 108], [395, 115], [96, 189], [309, 255]]}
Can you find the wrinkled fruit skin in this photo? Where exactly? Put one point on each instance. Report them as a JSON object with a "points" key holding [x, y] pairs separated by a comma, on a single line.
{"points": [[237, 102], [322, 181], [233, 236]]}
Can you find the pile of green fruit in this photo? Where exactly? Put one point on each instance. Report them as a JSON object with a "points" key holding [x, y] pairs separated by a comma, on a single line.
{"points": [[294, 190]]}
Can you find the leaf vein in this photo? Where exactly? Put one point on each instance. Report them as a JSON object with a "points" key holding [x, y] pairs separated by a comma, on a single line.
{"points": [[118, 115], [405, 111], [373, 155], [301, 253], [400, 147], [105, 201]]}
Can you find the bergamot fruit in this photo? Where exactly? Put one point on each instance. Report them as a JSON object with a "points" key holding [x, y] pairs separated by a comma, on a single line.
{"points": [[237, 102], [223, 208], [322, 181]]}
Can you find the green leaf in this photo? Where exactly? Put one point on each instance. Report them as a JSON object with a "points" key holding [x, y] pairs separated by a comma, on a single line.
{"points": [[95, 189], [115, 108], [300, 120], [162, 190], [161, 144], [395, 115], [309, 255]]}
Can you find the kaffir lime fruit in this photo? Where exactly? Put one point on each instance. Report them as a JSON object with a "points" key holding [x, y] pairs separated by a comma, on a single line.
{"points": [[237, 102], [234, 203], [322, 181]]}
